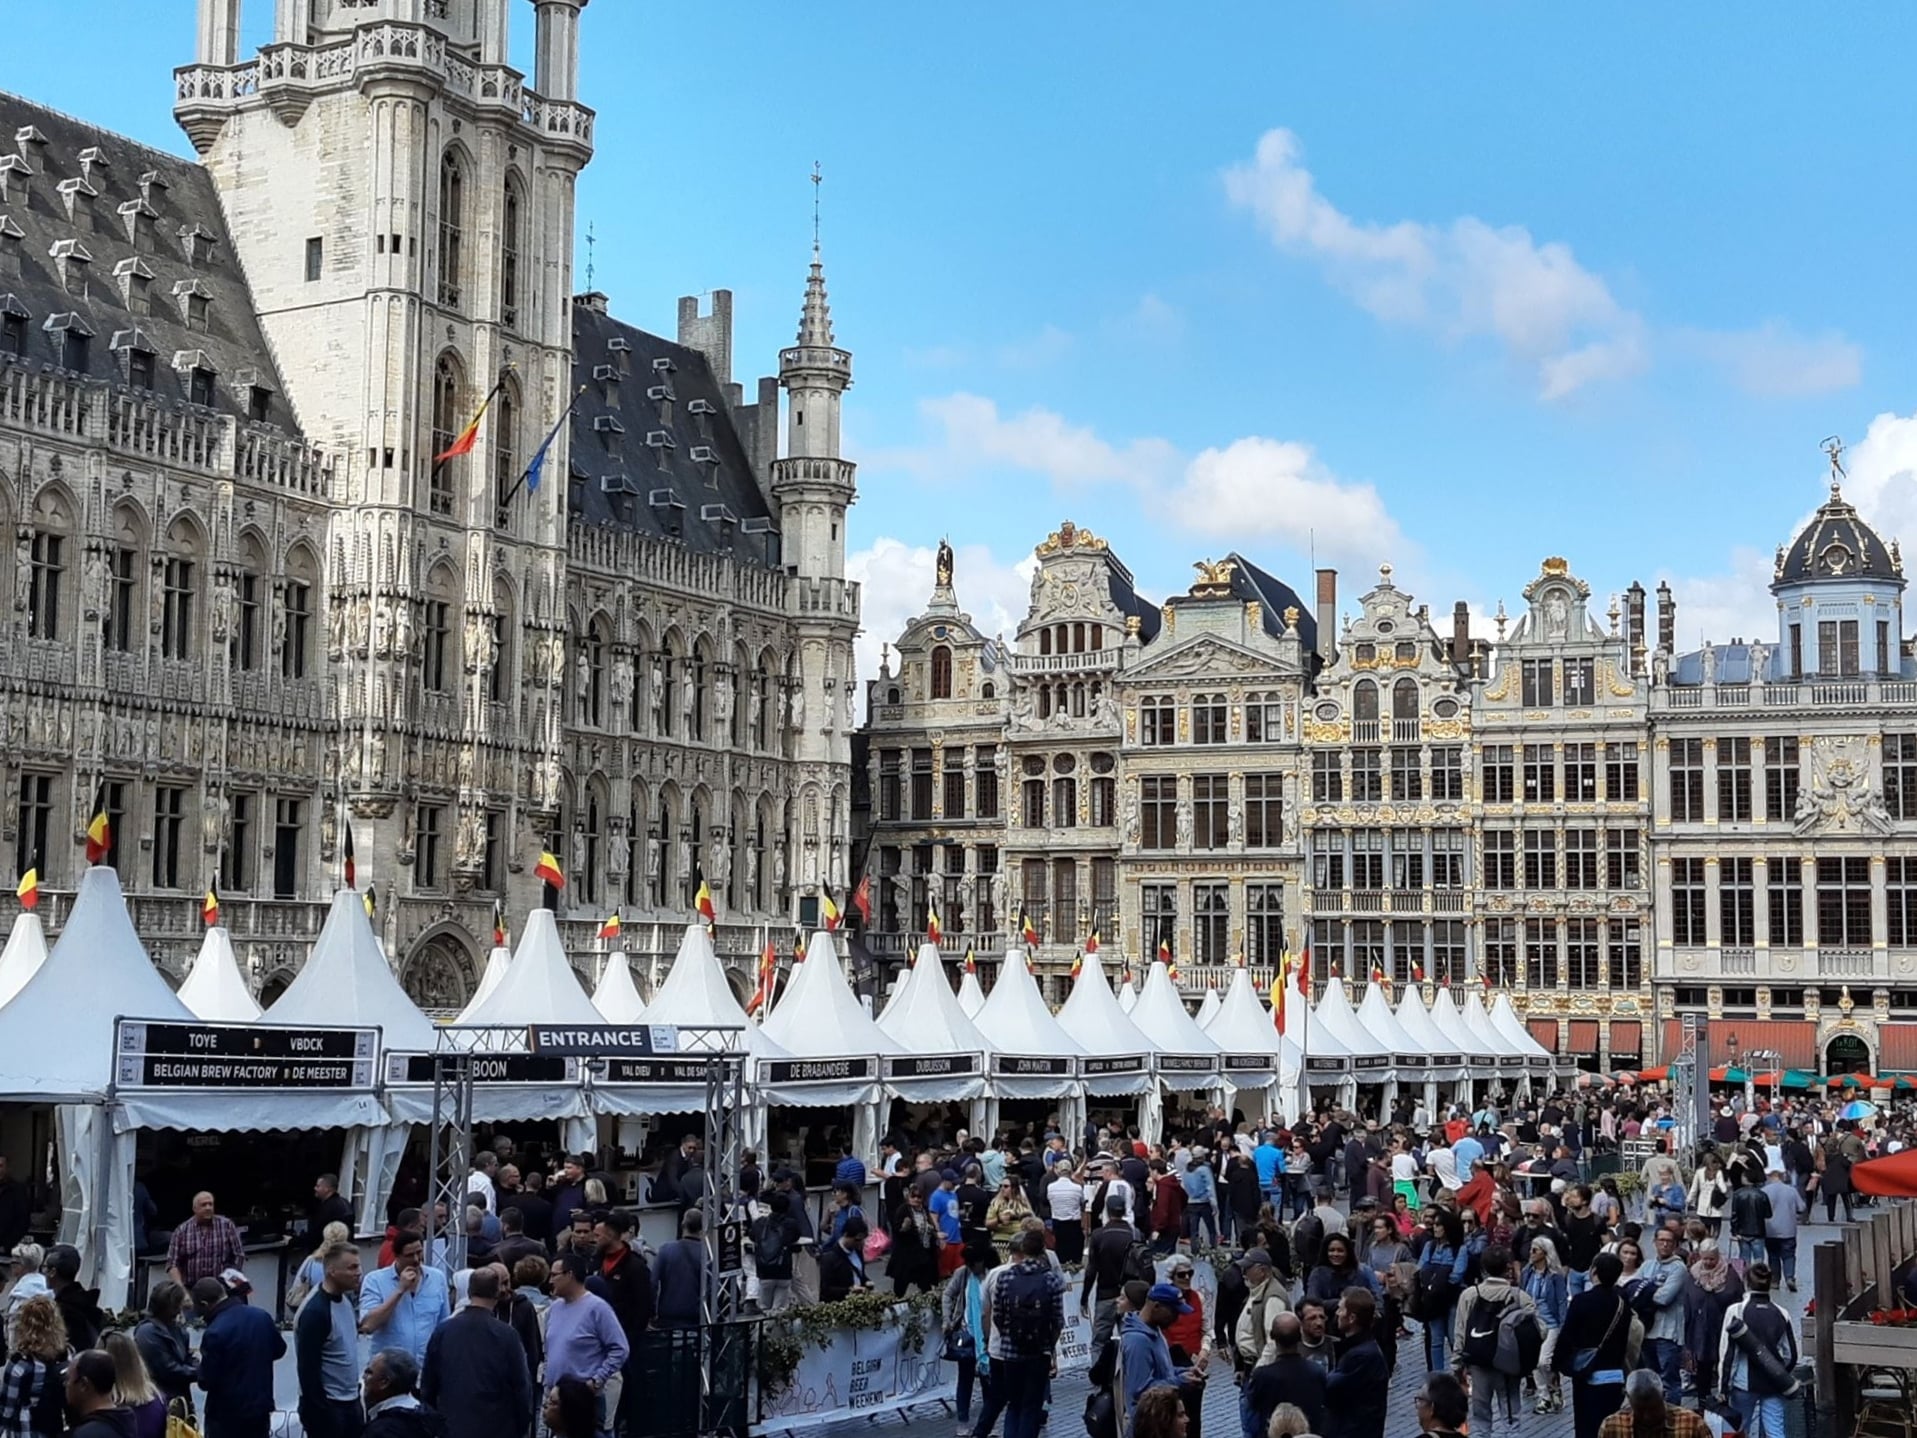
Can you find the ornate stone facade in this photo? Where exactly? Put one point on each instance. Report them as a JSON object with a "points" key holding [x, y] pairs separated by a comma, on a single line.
{"points": [[272, 577]]}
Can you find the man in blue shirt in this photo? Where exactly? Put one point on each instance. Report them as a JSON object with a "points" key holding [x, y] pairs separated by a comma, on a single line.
{"points": [[1467, 1151], [404, 1303], [945, 1210], [850, 1170], [1201, 1196], [1269, 1160], [1144, 1357]]}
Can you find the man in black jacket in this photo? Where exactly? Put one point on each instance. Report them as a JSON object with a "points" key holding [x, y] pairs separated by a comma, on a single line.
{"points": [[393, 1409], [1107, 1258], [624, 1280], [1357, 1388], [80, 1307], [237, 1353], [475, 1372], [90, 1384], [1289, 1378], [535, 1210]]}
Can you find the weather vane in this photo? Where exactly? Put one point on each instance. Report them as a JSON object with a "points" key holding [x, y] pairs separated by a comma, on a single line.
{"points": [[1833, 448], [818, 178], [592, 242]]}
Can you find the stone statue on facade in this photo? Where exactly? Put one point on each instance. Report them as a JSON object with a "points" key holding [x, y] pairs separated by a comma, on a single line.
{"points": [[1707, 661], [1024, 708], [1557, 617], [942, 570], [1184, 825], [1839, 796], [1760, 663]]}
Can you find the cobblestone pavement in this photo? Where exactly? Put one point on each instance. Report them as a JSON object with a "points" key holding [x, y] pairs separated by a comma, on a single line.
{"points": [[1221, 1396]]}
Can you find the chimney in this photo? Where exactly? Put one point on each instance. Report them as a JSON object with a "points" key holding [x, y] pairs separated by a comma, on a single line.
{"points": [[1666, 618], [1461, 634], [1634, 626], [1327, 614], [594, 300], [710, 334]]}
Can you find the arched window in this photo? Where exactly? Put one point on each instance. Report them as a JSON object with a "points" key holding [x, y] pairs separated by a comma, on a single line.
{"points": [[47, 560], [1044, 641], [1364, 711], [759, 863], [761, 701], [439, 666], [503, 417], [696, 834], [121, 621], [245, 641], [665, 845], [178, 571], [296, 610], [736, 711], [941, 672], [595, 847], [635, 845], [1404, 710], [737, 838], [665, 693], [452, 207], [499, 680], [595, 697], [696, 677], [446, 425], [509, 258]]}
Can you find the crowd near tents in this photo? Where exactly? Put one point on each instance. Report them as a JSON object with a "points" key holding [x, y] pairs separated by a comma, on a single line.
{"points": [[92, 1034]]}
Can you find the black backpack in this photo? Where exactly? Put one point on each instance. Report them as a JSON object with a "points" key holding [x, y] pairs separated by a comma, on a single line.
{"points": [[1028, 1310], [1642, 1296], [1140, 1265], [1480, 1346], [1430, 1295], [768, 1242]]}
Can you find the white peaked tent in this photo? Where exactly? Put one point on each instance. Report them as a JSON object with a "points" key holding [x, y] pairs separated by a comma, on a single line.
{"points": [[540, 986], [1326, 1059], [1118, 1057], [26, 950], [1512, 1061], [970, 996], [822, 1024], [694, 994], [1127, 996], [214, 988], [497, 962], [1449, 1021], [1029, 1054], [617, 996], [1255, 1056], [1209, 1005], [347, 980], [1409, 1060], [1507, 1025], [1188, 1058], [1447, 1059], [944, 1054], [1334, 1017]]}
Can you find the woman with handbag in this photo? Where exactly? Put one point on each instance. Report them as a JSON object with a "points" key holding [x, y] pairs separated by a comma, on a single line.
{"points": [[963, 1314], [915, 1246], [1597, 1346]]}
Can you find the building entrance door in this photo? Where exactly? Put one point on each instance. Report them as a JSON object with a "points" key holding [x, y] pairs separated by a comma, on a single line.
{"points": [[1846, 1054]]}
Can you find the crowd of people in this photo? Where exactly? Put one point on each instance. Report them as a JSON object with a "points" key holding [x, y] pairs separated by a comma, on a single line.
{"points": [[1475, 1241]]}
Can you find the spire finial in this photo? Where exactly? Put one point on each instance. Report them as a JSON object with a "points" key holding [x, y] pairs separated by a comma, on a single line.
{"points": [[818, 179], [1833, 448], [592, 242]]}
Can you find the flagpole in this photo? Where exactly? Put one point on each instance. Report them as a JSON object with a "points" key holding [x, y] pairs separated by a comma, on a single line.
{"points": [[539, 455], [1304, 1031]]}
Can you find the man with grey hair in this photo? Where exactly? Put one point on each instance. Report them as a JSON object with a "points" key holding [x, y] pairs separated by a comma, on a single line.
{"points": [[393, 1409], [1645, 1414]]}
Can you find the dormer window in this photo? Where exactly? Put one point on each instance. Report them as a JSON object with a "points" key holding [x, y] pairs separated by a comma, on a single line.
{"points": [[136, 281], [259, 403], [70, 260], [139, 369], [620, 348], [198, 243], [609, 430], [78, 197], [13, 326], [194, 300], [608, 379], [12, 238], [138, 217], [29, 135], [92, 158], [662, 396], [153, 183], [663, 365], [70, 337], [199, 386], [661, 444], [670, 510], [14, 174]]}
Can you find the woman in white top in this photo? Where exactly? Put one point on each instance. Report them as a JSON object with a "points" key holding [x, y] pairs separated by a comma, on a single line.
{"points": [[1710, 1193], [1065, 1212], [1404, 1172]]}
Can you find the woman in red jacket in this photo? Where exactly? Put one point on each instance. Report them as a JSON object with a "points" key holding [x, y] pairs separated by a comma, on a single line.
{"points": [[1190, 1339]]}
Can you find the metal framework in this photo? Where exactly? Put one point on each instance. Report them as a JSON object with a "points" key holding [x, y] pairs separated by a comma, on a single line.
{"points": [[1690, 1082], [725, 1338]]}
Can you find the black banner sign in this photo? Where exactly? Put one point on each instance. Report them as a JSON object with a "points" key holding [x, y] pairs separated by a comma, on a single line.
{"points": [[1447, 1061], [236, 1056], [1250, 1063], [1370, 1063], [933, 1066], [1101, 1068], [1327, 1065], [1410, 1061], [602, 1040], [1031, 1066], [1539, 1063], [1511, 1061], [816, 1070], [488, 1068], [690, 1069], [1186, 1064]]}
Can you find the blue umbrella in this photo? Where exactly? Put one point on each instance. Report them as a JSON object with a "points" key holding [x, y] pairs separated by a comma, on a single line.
{"points": [[1858, 1108]]}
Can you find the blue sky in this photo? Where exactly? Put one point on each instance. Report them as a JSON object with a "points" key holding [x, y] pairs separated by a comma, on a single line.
{"points": [[1456, 287]]}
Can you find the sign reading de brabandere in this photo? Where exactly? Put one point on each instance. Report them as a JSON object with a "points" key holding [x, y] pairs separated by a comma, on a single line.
{"points": [[237, 1056], [598, 1041]]}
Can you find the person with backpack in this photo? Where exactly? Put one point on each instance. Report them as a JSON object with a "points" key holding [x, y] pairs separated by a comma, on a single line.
{"points": [[1113, 1256], [1486, 1310], [1144, 1353], [1833, 1177], [1023, 1321], [1750, 1210], [1436, 1284], [775, 1238], [1755, 1357]]}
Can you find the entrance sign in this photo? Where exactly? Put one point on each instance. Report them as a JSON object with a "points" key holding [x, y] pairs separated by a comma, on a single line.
{"points": [[602, 1040]]}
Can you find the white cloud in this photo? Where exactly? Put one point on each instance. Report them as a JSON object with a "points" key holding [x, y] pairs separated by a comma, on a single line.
{"points": [[895, 581], [1270, 488], [1462, 280], [1775, 361], [1720, 607], [1883, 476], [1041, 441]]}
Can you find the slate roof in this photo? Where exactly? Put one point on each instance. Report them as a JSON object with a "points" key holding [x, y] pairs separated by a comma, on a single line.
{"points": [[182, 243], [1835, 529], [1275, 597], [1125, 596], [670, 464]]}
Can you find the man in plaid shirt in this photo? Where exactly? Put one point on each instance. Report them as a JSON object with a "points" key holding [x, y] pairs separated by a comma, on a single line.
{"points": [[205, 1246]]}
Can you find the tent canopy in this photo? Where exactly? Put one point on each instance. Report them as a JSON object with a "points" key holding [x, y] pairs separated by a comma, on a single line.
{"points": [[347, 980], [214, 988], [925, 1020], [1244, 1029], [1416, 1021], [497, 962], [56, 1034], [1091, 1015], [1189, 1058], [26, 950], [617, 996], [1014, 1021], [540, 986], [1334, 1018], [1127, 996], [1450, 1022], [1209, 1005], [970, 996], [1410, 1057], [819, 1016]]}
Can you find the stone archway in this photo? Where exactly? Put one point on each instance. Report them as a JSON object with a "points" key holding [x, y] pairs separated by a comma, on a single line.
{"points": [[275, 984], [440, 974], [1846, 1054]]}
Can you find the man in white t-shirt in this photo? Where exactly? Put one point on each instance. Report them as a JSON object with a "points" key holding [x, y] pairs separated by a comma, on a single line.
{"points": [[1107, 1179]]}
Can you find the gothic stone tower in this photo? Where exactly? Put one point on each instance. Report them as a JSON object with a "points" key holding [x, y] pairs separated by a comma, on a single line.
{"points": [[403, 204], [813, 487]]}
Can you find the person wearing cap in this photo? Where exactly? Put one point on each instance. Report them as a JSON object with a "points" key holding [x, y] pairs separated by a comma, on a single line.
{"points": [[1144, 1354], [1265, 1299]]}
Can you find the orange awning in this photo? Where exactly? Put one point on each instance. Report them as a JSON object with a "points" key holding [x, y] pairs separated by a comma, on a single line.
{"points": [[1893, 1176], [1545, 1031]]}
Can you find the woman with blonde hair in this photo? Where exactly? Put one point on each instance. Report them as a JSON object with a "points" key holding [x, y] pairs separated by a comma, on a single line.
{"points": [[28, 1281], [1288, 1420], [313, 1270], [1546, 1282], [133, 1387], [33, 1401]]}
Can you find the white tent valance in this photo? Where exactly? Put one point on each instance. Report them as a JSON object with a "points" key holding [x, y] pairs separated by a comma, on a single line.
{"points": [[1031, 1056], [944, 1059]]}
